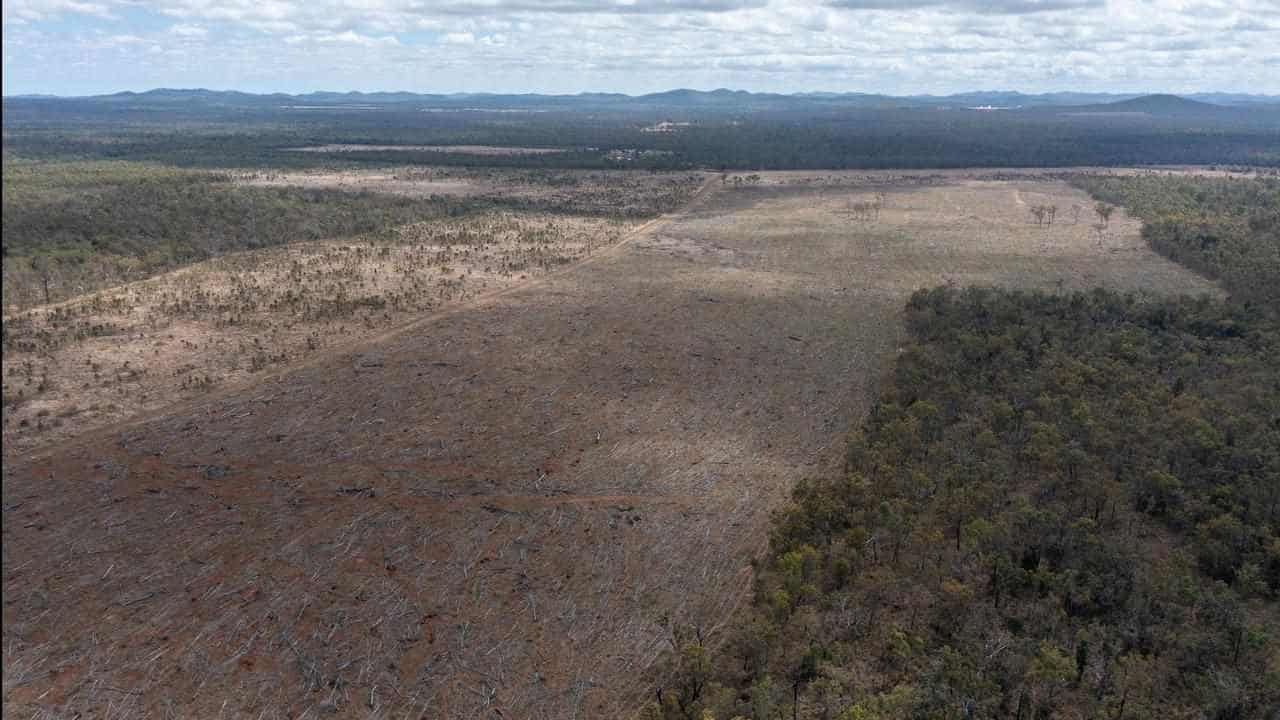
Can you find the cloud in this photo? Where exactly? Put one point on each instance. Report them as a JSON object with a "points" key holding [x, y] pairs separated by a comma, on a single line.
{"points": [[626, 7], [346, 37], [981, 7], [400, 15], [184, 30], [899, 46], [38, 10]]}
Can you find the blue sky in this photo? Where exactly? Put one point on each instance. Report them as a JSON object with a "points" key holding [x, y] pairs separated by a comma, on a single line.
{"points": [[75, 47]]}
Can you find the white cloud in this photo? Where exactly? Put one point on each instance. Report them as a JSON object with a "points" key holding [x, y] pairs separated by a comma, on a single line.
{"points": [[37, 10], [983, 7], [346, 37], [185, 30], [902, 46]]}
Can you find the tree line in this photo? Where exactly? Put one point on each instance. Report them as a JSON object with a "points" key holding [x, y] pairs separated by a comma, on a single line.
{"points": [[1062, 506], [69, 228], [1226, 228]]}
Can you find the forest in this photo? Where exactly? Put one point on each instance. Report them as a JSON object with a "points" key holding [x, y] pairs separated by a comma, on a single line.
{"points": [[729, 135], [1062, 506], [79, 209]]}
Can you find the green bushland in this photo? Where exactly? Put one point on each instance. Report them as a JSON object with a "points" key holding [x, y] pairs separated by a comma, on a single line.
{"points": [[1226, 228], [85, 225], [1063, 506], [133, 209]]}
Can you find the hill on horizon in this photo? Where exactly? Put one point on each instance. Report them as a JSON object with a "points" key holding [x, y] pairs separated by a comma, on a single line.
{"points": [[1156, 104], [1153, 103]]}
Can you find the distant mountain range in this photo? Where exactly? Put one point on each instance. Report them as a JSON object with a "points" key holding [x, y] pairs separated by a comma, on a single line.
{"points": [[722, 99], [1154, 105]]}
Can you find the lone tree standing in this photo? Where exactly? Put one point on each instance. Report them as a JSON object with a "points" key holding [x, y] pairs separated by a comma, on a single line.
{"points": [[1104, 212], [1099, 232], [44, 268]]}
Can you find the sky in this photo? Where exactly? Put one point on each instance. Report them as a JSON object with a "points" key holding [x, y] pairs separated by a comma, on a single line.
{"points": [[81, 47]]}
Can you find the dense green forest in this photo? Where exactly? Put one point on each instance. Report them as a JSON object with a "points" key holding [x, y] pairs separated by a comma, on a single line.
{"points": [[1064, 506], [723, 137], [718, 145]]}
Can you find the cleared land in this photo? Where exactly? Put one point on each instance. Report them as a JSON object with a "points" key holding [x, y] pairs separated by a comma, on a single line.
{"points": [[593, 192], [506, 507], [463, 149], [82, 364]]}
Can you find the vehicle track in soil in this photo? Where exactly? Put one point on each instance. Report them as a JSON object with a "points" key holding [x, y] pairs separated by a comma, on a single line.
{"points": [[509, 511], [351, 346]]}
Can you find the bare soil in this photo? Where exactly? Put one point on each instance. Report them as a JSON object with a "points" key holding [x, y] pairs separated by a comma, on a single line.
{"points": [[501, 510]]}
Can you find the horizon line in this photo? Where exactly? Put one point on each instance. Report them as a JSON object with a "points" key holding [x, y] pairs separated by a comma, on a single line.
{"points": [[582, 93]]}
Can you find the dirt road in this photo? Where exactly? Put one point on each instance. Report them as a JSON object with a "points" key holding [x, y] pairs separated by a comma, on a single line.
{"points": [[502, 511]]}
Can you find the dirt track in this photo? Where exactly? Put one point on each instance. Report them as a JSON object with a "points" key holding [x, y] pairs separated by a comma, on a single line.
{"points": [[505, 508]]}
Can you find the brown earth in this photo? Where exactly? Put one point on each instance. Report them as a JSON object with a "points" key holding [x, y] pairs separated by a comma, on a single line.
{"points": [[501, 510]]}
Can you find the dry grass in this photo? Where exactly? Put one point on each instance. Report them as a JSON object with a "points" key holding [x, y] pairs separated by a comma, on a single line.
{"points": [[614, 193], [962, 228], [461, 149]]}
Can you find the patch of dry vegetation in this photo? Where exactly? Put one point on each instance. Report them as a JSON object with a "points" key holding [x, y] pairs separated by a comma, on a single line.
{"points": [[83, 363], [614, 193], [462, 149]]}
